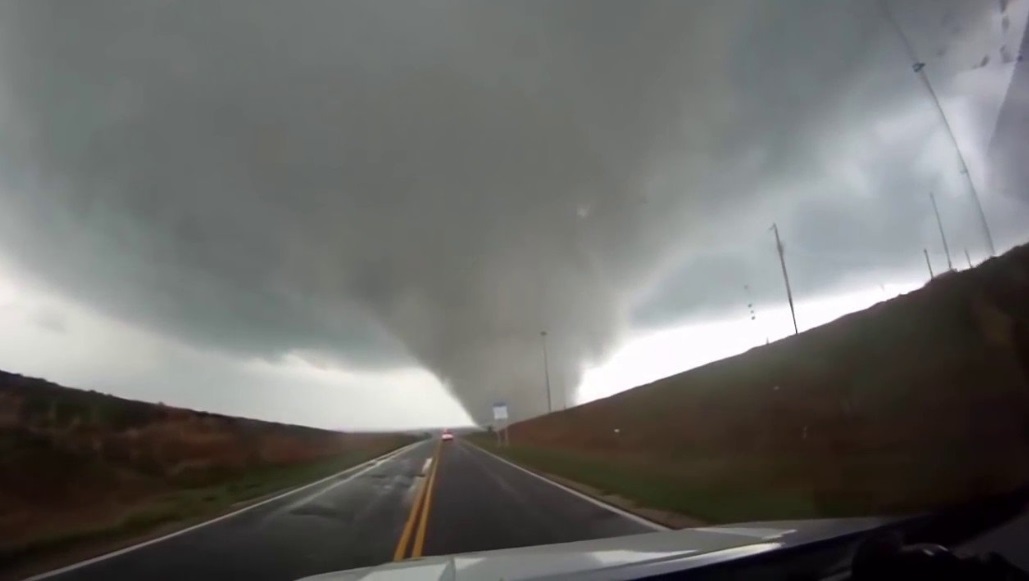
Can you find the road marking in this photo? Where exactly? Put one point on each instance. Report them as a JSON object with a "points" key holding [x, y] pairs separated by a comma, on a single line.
{"points": [[620, 512], [419, 541], [360, 469], [418, 510], [412, 517], [330, 488]]}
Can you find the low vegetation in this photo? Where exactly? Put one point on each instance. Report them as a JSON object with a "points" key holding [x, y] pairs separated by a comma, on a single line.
{"points": [[81, 468], [665, 488], [913, 404]]}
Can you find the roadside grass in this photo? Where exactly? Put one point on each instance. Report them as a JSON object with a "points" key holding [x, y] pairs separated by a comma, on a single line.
{"points": [[701, 497], [184, 507], [729, 489], [915, 404]]}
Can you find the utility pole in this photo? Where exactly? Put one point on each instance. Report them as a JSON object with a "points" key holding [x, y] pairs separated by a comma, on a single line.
{"points": [[929, 264], [968, 258], [785, 276], [919, 69], [946, 249], [546, 372]]}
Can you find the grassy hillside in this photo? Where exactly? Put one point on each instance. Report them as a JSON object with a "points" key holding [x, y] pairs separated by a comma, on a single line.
{"points": [[917, 402], [78, 466]]}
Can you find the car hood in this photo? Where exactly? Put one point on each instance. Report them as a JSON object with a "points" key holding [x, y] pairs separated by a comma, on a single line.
{"points": [[615, 558]]}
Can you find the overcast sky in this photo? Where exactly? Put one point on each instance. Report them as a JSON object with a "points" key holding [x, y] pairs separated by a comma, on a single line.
{"points": [[363, 214]]}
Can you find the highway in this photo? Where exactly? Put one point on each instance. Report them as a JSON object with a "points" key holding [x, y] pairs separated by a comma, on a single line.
{"points": [[431, 498]]}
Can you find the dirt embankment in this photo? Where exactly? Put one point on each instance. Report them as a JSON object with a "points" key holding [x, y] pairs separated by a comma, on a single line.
{"points": [[76, 466], [914, 403]]}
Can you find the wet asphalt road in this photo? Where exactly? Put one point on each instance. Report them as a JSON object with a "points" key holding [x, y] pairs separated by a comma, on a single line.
{"points": [[474, 502], [481, 503]]}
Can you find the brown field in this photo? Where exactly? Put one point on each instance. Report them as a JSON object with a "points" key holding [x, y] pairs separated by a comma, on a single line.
{"points": [[78, 467], [915, 403]]}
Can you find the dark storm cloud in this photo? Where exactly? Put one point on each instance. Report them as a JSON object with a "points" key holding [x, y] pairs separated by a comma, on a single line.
{"points": [[864, 221], [856, 212], [834, 244], [379, 183]]}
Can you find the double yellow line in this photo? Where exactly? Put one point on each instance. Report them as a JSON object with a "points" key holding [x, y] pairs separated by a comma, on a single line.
{"points": [[420, 508]]}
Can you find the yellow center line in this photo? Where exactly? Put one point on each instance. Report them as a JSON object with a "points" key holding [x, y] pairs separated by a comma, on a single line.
{"points": [[412, 518], [419, 540]]}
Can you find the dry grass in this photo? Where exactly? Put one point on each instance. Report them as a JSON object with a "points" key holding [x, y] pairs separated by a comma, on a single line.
{"points": [[80, 467], [918, 402]]}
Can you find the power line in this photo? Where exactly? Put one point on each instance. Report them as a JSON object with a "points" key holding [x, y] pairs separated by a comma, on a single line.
{"points": [[919, 68], [838, 258], [750, 302]]}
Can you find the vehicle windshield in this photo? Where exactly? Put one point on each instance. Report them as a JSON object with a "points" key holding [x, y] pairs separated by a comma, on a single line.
{"points": [[289, 288]]}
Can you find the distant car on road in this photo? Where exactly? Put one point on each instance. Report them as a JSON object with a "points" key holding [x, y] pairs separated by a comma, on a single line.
{"points": [[447, 436]]}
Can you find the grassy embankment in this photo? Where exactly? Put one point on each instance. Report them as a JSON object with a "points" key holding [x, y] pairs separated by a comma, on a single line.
{"points": [[183, 507], [913, 404], [82, 472], [638, 485]]}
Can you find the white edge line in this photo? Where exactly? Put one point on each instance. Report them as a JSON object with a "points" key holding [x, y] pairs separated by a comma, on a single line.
{"points": [[619, 511], [360, 469]]}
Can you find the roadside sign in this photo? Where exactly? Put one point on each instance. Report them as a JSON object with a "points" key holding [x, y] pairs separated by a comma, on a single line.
{"points": [[499, 411], [500, 416]]}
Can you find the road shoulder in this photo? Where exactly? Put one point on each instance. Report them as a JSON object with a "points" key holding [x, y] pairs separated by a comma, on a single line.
{"points": [[652, 518], [89, 553]]}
